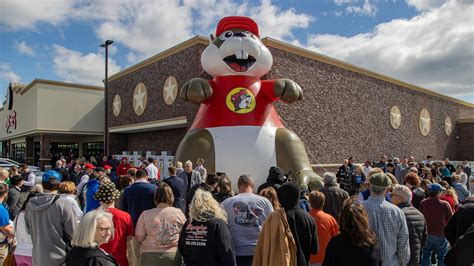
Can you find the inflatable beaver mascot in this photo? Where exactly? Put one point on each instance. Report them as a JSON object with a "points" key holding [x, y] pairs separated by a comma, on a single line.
{"points": [[236, 129]]}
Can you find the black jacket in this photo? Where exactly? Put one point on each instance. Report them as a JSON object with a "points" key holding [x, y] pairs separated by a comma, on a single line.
{"points": [[461, 253], [341, 251], [418, 196], [14, 202], [89, 257], [335, 197], [179, 191], [206, 243], [416, 230], [462, 219], [302, 225]]}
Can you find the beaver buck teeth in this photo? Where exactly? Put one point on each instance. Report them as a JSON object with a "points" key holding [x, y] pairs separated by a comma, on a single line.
{"points": [[240, 61]]}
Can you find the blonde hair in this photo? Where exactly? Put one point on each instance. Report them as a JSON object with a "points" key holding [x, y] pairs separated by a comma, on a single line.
{"points": [[67, 187], [204, 207], [179, 164], [38, 188], [85, 232], [4, 173]]}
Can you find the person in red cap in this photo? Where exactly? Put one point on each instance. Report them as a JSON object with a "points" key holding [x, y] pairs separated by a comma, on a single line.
{"points": [[84, 179]]}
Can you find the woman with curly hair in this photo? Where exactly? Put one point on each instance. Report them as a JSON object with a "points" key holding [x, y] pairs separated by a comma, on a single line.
{"points": [[205, 238], [356, 241]]}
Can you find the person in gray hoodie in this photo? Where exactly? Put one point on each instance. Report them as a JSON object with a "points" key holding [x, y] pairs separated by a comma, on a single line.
{"points": [[50, 220]]}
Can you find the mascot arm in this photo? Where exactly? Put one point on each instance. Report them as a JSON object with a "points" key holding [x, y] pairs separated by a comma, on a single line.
{"points": [[287, 90], [197, 90]]}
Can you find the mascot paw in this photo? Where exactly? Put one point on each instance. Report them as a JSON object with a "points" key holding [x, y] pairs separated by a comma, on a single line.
{"points": [[288, 90], [307, 179], [197, 90]]}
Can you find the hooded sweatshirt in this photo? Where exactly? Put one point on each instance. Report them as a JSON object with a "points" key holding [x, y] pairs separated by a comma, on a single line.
{"points": [[301, 224], [48, 219]]}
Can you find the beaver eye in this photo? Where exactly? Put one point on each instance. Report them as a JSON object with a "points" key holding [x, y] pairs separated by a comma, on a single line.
{"points": [[246, 33], [225, 35]]}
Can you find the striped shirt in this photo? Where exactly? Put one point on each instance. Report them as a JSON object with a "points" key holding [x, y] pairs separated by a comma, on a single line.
{"points": [[389, 225]]}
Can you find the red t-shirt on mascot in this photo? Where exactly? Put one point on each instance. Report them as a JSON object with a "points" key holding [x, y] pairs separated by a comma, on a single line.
{"points": [[123, 228], [238, 101]]}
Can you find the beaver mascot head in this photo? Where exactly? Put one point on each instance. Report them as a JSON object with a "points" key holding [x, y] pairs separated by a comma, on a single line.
{"points": [[236, 50]]}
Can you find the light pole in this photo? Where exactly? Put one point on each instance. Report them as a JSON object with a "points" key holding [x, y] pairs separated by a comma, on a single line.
{"points": [[106, 46]]}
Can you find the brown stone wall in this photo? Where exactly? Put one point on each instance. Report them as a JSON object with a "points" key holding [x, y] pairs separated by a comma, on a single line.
{"points": [[347, 114], [29, 153], [465, 141], [45, 156], [342, 114], [165, 140]]}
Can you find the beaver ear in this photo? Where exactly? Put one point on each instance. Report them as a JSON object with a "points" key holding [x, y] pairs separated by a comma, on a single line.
{"points": [[211, 39]]}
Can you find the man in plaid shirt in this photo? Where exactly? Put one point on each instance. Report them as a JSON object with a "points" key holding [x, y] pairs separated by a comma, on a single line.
{"points": [[388, 222]]}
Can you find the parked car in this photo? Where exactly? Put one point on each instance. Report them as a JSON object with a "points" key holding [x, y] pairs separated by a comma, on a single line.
{"points": [[8, 163]]}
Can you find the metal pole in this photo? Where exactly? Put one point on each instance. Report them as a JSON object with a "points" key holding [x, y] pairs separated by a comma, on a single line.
{"points": [[105, 97], [106, 46]]}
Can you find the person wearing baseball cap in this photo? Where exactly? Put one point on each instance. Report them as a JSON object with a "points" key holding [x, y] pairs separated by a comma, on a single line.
{"points": [[51, 221], [107, 195], [437, 213], [387, 221]]}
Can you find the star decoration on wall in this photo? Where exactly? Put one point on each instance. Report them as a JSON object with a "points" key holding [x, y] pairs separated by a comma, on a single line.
{"points": [[170, 90], [395, 117], [139, 99], [425, 122], [117, 105], [448, 126]]}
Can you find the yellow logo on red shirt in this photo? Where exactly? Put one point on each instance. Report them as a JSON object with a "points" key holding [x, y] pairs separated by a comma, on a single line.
{"points": [[240, 100]]}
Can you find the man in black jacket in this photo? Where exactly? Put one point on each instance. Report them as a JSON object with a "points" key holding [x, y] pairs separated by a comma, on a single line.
{"points": [[179, 188], [14, 199], [208, 185], [301, 224], [335, 196], [462, 219], [401, 196]]}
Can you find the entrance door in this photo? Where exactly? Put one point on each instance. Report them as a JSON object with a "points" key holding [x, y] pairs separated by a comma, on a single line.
{"points": [[66, 149]]}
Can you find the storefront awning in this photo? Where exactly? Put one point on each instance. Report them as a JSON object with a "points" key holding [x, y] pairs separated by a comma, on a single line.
{"points": [[176, 122]]}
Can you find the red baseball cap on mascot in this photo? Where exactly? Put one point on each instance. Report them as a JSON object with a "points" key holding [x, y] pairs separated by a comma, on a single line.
{"points": [[238, 22]]}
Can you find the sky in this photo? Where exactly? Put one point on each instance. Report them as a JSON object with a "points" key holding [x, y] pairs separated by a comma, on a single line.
{"points": [[429, 43]]}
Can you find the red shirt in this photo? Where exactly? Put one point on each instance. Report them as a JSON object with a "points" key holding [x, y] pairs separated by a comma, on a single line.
{"points": [[437, 213], [118, 245], [227, 91], [122, 169], [327, 228]]}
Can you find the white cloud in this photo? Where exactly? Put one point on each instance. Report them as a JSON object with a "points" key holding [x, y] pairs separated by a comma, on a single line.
{"points": [[19, 14], [367, 9], [7, 74], [341, 2], [433, 50], [23, 48], [148, 27], [73, 66], [425, 4]]}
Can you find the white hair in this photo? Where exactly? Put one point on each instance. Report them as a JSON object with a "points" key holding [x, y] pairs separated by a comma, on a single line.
{"points": [[59, 162], [413, 170], [84, 236], [188, 162], [403, 191], [329, 177]]}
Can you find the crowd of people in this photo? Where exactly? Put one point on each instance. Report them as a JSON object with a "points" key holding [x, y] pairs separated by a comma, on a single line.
{"points": [[391, 212]]}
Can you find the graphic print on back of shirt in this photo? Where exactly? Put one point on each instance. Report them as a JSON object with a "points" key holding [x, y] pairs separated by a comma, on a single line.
{"points": [[166, 231], [196, 235], [248, 215]]}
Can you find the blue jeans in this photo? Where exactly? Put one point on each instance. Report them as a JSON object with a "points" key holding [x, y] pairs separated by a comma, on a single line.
{"points": [[437, 243]]}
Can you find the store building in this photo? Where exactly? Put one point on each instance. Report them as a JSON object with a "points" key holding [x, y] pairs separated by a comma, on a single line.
{"points": [[47, 118], [346, 110]]}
